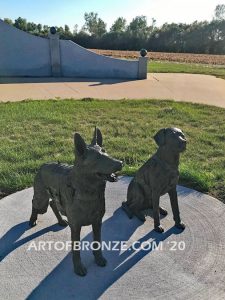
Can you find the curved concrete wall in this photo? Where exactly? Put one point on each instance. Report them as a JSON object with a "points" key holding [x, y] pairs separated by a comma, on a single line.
{"points": [[23, 54], [79, 62]]}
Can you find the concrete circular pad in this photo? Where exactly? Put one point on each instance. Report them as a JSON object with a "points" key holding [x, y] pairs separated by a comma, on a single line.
{"points": [[186, 265]]}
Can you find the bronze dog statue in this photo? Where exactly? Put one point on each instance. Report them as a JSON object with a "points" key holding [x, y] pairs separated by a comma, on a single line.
{"points": [[158, 176], [77, 192]]}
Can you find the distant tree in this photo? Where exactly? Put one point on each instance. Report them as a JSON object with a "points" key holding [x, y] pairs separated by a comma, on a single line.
{"points": [[137, 33], [82, 38], [195, 38], [215, 33], [31, 27], [153, 22], [8, 21], [139, 27], [45, 30], [66, 29], [94, 25], [101, 28], [39, 27], [90, 22], [75, 29], [220, 12], [119, 25], [198, 37], [152, 27], [67, 33], [60, 31], [21, 23]]}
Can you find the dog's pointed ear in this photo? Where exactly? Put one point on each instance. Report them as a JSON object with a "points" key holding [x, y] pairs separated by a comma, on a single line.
{"points": [[97, 137], [160, 137], [80, 145]]}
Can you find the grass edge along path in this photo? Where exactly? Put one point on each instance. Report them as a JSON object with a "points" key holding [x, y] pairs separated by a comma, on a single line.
{"points": [[188, 68]]}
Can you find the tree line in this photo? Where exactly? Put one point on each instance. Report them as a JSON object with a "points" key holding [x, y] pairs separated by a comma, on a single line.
{"points": [[198, 37]]}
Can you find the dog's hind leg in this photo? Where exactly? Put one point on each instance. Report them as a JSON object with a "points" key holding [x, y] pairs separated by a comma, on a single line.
{"points": [[39, 206], [40, 200], [134, 212], [61, 221], [140, 216], [135, 201], [33, 218], [99, 259]]}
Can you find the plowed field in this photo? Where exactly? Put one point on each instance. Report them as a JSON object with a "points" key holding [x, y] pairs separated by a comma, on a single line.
{"points": [[172, 57]]}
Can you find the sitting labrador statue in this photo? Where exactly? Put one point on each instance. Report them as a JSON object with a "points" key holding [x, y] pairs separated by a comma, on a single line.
{"points": [[158, 176]]}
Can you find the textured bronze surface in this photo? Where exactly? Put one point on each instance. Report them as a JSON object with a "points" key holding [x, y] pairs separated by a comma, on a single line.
{"points": [[158, 176]]}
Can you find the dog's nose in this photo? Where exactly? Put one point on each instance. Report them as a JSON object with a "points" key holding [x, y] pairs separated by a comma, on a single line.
{"points": [[183, 141]]}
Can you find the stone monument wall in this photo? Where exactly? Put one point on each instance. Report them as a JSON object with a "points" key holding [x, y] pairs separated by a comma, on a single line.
{"points": [[23, 54]]}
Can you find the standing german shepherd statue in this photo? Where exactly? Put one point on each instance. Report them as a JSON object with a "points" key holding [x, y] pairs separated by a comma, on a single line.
{"points": [[158, 176], [77, 192]]}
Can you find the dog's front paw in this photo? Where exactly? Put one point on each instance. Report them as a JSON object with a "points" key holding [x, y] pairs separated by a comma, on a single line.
{"points": [[63, 223], [100, 260], [159, 229], [180, 225], [32, 223], [80, 269]]}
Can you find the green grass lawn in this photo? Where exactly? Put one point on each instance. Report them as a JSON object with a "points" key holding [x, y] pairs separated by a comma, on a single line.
{"points": [[40, 131], [174, 67]]}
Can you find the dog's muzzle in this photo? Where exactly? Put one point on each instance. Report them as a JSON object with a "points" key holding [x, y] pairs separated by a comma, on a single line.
{"points": [[183, 146], [113, 177], [108, 177]]}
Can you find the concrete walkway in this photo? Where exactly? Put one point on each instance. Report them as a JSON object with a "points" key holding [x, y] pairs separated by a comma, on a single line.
{"points": [[187, 265], [180, 87]]}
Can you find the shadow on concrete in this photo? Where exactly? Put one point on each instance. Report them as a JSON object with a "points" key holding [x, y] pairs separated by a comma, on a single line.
{"points": [[62, 283], [96, 81], [9, 243], [108, 82], [186, 192]]}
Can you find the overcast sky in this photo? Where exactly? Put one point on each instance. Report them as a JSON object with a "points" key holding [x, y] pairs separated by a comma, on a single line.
{"points": [[71, 12]]}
